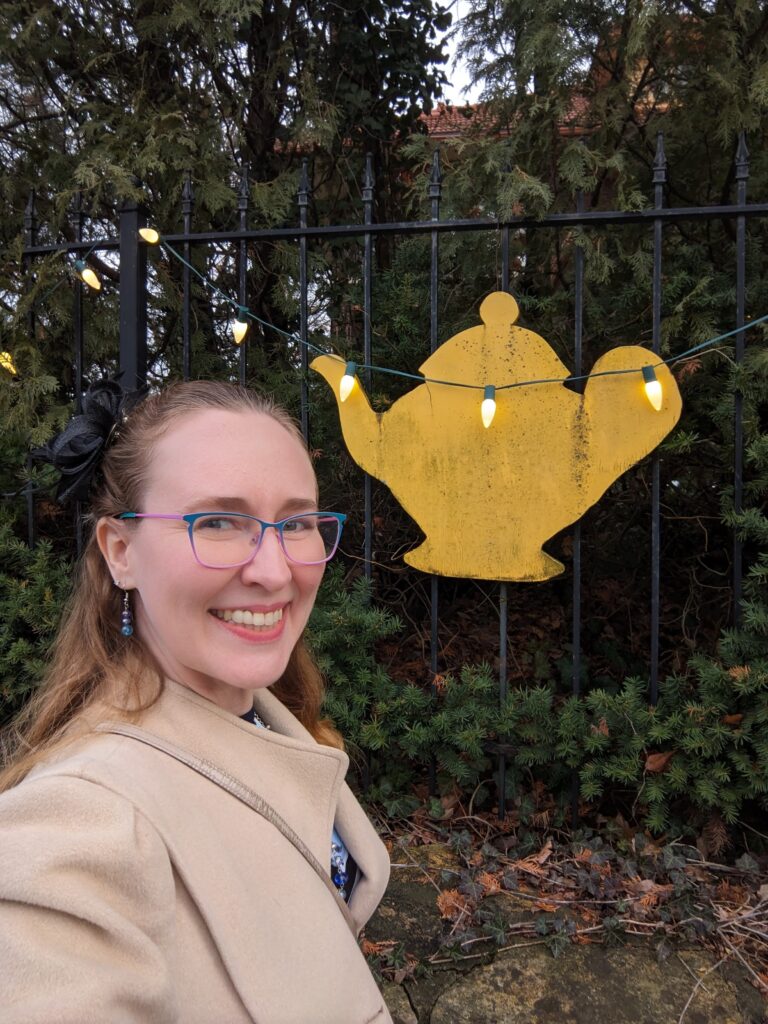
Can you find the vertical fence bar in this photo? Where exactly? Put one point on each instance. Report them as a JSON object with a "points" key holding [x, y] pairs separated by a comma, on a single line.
{"points": [[30, 237], [503, 592], [187, 205], [368, 184], [133, 297], [77, 310], [578, 334], [77, 377], [243, 193], [659, 180], [742, 174], [435, 192], [303, 200]]}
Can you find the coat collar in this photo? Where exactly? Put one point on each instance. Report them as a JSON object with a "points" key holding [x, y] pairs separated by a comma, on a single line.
{"points": [[264, 759]]}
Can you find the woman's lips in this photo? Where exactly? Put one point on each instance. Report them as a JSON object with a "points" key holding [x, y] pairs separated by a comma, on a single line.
{"points": [[270, 630]]}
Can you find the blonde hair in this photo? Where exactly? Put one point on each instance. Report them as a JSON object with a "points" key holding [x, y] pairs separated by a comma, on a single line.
{"points": [[91, 661]]}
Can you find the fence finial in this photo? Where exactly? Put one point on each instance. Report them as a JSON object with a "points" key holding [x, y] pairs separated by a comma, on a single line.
{"points": [[742, 158], [303, 192], [244, 190], [29, 218], [77, 213], [660, 161], [436, 178], [187, 195], [368, 180]]}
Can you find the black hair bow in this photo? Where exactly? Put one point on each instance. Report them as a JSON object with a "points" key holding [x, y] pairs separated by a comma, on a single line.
{"points": [[78, 450]]}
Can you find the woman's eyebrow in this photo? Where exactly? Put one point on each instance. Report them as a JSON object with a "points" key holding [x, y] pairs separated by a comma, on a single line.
{"points": [[220, 504]]}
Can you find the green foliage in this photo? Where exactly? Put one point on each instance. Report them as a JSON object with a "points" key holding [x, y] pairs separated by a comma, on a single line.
{"points": [[34, 584], [702, 751]]}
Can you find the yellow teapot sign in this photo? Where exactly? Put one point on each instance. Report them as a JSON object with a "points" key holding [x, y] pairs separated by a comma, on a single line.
{"points": [[488, 497]]}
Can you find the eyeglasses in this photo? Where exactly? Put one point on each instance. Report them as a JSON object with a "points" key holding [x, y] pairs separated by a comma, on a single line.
{"points": [[224, 540]]}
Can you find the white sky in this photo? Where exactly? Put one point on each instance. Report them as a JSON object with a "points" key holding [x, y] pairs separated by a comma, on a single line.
{"points": [[458, 91]]}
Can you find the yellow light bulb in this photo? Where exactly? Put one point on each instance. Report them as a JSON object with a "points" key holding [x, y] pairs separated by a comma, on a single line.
{"points": [[653, 388], [488, 407], [347, 381], [240, 330], [150, 236], [6, 361], [87, 275]]}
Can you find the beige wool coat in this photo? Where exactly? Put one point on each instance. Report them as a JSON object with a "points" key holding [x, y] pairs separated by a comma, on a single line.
{"points": [[134, 890]]}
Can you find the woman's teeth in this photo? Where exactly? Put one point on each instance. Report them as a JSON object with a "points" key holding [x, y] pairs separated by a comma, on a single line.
{"points": [[246, 618]]}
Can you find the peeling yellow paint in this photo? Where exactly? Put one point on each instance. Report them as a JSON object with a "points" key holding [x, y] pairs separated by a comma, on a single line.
{"points": [[488, 499]]}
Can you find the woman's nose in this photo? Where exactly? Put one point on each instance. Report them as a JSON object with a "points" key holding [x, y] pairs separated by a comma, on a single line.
{"points": [[270, 566]]}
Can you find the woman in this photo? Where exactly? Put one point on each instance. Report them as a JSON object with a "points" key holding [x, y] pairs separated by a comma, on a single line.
{"points": [[175, 806]]}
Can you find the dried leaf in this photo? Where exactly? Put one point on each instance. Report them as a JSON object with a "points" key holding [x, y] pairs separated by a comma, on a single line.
{"points": [[548, 908], [452, 904], [601, 729], [687, 368], [658, 762], [377, 948], [739, 672], [489, 882], [715, 836], [544, 853], [732, 719], [530, 865]]}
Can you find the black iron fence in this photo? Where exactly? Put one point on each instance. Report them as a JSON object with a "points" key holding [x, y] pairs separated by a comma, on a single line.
{"points": [[133, 300]]}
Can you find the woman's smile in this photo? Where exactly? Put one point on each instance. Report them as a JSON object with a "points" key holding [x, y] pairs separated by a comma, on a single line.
{"points": [[251, 624]]}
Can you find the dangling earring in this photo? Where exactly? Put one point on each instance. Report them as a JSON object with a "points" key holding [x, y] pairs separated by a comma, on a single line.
{"points": [[126, 618]]}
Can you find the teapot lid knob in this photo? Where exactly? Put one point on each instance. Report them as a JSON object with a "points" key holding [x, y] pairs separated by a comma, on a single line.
{"points": [[499, 308]]}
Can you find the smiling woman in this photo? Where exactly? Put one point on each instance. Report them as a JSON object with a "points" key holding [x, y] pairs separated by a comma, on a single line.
{"points": [[178, 840]]}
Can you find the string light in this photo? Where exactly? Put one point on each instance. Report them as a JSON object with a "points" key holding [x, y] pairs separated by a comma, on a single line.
{"points": [[652, 388], [240, 325], [150, 236], [87, 275], [652, 384], [347, 381], [6, 361], [488, 406]]}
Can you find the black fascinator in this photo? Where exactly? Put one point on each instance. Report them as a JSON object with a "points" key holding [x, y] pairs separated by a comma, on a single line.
{"points": [[78, 450]]}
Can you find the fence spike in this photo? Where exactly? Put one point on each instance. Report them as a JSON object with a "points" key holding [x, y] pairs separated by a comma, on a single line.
{"points": [[436, 178], [244, 190], [660, 161], [187, 195], [30, 216], [77, 214], [303, 192], [368, 180], [742, 158]]}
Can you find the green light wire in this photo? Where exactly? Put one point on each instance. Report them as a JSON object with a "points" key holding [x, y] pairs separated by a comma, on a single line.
{"points": [[455, 383]]}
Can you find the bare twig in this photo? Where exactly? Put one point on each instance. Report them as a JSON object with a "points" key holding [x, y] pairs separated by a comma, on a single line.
{"points": [[698, 983]]}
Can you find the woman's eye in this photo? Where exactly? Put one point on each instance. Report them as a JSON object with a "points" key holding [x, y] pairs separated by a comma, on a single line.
{"points": [[298, 525], [219, 523]]}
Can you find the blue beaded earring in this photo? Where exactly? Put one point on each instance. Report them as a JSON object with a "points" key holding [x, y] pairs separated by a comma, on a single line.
{"points": [[126, 618]]}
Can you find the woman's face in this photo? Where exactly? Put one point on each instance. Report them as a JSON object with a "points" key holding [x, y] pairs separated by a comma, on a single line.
{"points": [[213, 461]]}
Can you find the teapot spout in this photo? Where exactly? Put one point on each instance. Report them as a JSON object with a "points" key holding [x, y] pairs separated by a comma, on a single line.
{"points": [[360, 425]]}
